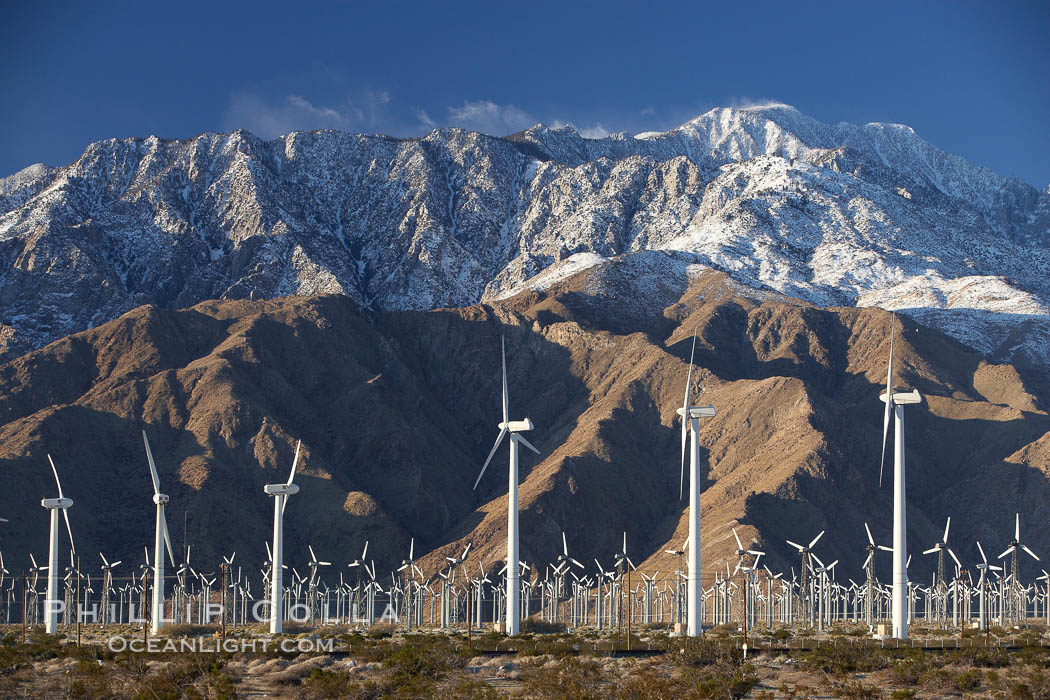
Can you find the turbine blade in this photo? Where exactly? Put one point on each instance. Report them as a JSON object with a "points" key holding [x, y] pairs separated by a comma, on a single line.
{"points": [[295, 461], [983, 558], [737, 538], [931, 550], [495, 446], [889, 402], [1030, 552], [55, 472], [167, 539], [819, 535], [152, 465], [685, 417], [946, 525], [1017, 527], [681, 472], [871, 540], [506, 399], [564, 545], [520, 438], [796, 546], [65, 514], [411, 548], [957, 562], [867, 561], [364, 551]]}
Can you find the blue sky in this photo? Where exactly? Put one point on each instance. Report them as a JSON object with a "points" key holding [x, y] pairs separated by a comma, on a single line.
{"points": [[973, 78]]}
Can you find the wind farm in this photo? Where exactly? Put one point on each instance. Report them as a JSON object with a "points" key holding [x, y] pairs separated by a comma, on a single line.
{"points": [[468, 585], [523, 563]]}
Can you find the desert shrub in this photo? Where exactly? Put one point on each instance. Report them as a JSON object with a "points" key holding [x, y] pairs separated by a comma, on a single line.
{"points": [[966, 681], [648, 684], [701, 651], [535, 625], [722, 681], [178, 679], [842, 657], [412, 668], [472, 689], [222, 684], [1033, 683], [988, 657], [781, 634], [381, 630], [908, 671], [569, 677], [851, 689]]}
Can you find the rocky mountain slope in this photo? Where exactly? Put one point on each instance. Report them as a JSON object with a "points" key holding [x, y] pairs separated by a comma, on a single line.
{"points": [[832, 214], [397, 410]]}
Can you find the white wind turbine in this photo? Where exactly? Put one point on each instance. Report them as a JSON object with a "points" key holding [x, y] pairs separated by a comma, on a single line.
{"points": [[691, 416], [51, 602], [280, 492], [515, 428], [160, 540], [898, 400]]}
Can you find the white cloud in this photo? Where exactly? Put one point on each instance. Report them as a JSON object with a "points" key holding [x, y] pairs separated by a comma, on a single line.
{"points": [[746, 102], [247, 110], [490, 118], [425, 119], [595, 131]]}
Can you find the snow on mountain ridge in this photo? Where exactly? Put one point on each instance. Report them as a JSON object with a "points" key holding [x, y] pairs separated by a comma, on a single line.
{"points": [[834, 214]]}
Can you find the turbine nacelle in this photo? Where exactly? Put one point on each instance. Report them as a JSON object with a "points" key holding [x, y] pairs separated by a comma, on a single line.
{"points": [[281, 489], [698, 411], [901, 398], [516, 426], [160, 498], [53, 503]]}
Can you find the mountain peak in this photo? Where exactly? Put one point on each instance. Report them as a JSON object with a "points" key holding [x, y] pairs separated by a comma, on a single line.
{"points": [[833, 214]]}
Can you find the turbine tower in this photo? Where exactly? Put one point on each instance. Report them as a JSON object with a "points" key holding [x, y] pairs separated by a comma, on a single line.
{"points": [[898, 400], [515, 428], [54, 505], [280, 492], [160, 539], [691, 416]]}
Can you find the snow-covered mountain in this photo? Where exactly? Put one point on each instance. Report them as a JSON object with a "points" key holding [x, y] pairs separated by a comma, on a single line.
{"points": [[832, 214]]}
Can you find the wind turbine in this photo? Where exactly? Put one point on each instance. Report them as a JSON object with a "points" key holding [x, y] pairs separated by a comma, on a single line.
{"points": [[160, 539], [1015, 544], [898, 400], [280, 492], [564, 557], [806, 552], [691, 416], [741, 553], [53, 572], [515, 428], [984, 567], [1012, 549]]}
